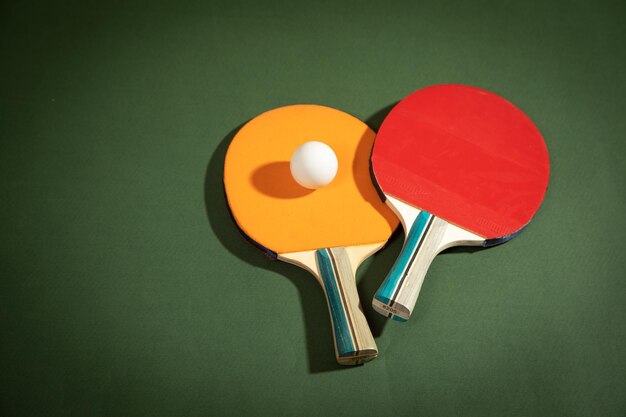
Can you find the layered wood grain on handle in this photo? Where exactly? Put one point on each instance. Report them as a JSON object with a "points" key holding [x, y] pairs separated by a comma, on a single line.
{"points": [[398, 293], [354, 343]]}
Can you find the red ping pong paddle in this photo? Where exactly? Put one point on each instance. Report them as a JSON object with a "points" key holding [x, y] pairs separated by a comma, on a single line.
{"points": [[459, 166]]}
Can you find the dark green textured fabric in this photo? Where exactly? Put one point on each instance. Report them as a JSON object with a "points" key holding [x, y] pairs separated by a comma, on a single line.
{"points": [[126, 290]]}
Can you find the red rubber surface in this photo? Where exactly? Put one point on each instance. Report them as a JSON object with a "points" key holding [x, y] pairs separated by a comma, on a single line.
{"points": [[465, 155]]}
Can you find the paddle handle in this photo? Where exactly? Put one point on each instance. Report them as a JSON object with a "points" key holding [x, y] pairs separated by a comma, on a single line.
{"points": [[354, 343], [398, 293]]}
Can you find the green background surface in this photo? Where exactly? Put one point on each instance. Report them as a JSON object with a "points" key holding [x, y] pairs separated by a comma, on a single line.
{"points": [[126, 290]]}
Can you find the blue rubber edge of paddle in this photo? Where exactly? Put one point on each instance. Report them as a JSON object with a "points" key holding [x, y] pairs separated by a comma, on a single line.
{"points": [[343, 338], [500, 240]]}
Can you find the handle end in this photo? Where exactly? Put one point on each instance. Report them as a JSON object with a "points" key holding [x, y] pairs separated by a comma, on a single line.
{"points": [[358, 357], [394, 310]]}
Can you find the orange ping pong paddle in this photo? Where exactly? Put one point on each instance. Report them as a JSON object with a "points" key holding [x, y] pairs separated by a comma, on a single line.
{"points": [[328, 231]]}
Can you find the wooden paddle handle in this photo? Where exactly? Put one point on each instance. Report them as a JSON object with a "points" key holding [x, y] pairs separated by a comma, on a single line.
{"points": [[397, 295], [354, 343]]}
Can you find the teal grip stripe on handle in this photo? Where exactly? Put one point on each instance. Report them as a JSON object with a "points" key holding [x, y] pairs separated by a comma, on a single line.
{"points": [[389, 288], [342, 322]]}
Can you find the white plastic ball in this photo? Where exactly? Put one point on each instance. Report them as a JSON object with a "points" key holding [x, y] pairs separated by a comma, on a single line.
{"points": [[313, 165]]}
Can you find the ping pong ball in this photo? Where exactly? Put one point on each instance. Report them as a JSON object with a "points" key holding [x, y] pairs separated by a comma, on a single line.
{"points": [[313, 165]]}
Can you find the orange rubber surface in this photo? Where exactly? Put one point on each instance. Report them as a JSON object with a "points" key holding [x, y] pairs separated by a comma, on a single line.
{"points": [[275, 211]]}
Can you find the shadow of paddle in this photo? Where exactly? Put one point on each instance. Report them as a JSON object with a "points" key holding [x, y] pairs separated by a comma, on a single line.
{"points": [[371, 275], [375, 269], [463, 249], [376, 119]]}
